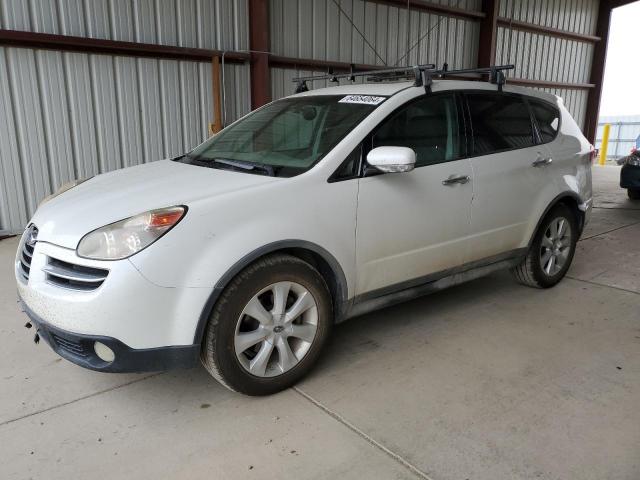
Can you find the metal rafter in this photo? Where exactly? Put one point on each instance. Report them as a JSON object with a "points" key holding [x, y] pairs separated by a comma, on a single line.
{"points": [[549, 31], [430, 7], [113, 47]]}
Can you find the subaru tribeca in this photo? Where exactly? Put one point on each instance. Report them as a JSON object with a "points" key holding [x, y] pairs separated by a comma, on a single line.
{"points": [[310, 210]]}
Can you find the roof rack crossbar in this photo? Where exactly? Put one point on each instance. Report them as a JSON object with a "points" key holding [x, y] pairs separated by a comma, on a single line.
{"points": [[423, 75], [495, 73], [375, 75]]}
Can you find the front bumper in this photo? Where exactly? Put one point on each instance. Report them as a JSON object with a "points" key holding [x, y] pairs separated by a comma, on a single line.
{"points": [[79, 349], [630, 176], [125, 306], [147, 327]]}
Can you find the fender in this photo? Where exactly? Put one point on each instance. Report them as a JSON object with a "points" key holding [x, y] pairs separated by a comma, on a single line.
{"points": [[248, 259], [582, 206]]}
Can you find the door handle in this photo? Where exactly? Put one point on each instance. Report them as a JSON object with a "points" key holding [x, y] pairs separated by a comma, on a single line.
{"points": [[540, 162], [452, 180]]}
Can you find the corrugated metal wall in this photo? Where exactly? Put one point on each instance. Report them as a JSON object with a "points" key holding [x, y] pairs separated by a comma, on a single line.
{"points": [[215, 24], [322, 30], [542, 57], [72, 115], [68, 115]]}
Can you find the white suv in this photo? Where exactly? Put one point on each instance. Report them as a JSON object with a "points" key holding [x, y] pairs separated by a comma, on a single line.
{"points": [[311, 210]]}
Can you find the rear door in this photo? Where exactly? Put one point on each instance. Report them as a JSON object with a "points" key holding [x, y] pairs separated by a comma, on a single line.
{"points": [[509, 172], [547, 124], [410, 225]]}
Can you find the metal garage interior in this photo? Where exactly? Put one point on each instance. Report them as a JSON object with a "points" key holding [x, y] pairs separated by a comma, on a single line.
{"points": [[88, 87]]}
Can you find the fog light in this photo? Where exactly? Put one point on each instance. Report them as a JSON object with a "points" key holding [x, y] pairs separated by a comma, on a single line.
{"points": [[104, 352]]}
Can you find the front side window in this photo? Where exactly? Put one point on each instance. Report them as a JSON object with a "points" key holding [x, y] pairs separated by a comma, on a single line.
{"points": [[429, 126], [285, 138], [548, 119], [500, 122]]}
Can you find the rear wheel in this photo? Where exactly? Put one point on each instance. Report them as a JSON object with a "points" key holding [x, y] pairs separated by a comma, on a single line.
{"points": [[551, 251], [634, 193], [269, 326]]}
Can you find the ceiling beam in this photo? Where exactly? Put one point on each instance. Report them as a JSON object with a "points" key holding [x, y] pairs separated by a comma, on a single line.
{"points": [[550, 31], [424, 6], [526, 82], [620, 3], [113, 47], [318, 65]]}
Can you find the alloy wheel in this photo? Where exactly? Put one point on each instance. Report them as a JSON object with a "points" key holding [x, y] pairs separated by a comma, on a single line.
{"points": [[555, 246], [276, 329]]}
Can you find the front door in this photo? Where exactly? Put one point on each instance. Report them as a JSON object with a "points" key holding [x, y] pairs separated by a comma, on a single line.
{"points": [[411, 225]]}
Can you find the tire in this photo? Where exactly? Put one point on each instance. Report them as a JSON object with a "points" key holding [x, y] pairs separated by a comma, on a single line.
{"points": [[538, 269], [633, 193], [260, 368]]}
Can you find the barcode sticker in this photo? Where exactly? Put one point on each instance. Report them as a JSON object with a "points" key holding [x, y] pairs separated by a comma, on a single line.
{"points": [[366, 99]]}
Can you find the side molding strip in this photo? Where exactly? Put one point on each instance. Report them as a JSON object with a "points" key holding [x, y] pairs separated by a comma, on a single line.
{"points": [[432, 283]]}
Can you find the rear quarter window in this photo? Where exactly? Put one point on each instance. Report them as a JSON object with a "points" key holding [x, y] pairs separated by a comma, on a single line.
{"points": [[547, 118]]}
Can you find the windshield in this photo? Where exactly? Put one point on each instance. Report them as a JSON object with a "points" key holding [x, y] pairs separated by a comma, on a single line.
{"points": [[285, 138]]}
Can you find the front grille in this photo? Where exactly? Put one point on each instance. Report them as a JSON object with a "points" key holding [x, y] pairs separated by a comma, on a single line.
{"points": [[76, 277], [74, 348], [26, 251]]}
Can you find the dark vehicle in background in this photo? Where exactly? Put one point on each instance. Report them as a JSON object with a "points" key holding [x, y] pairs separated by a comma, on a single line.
{"points": [[630, 174]]}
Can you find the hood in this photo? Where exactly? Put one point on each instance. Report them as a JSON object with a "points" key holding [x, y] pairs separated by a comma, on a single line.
{"points": [[113, 196]]}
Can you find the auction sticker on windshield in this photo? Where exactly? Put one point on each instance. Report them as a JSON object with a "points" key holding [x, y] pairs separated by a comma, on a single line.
{"points": [[366, 99]]}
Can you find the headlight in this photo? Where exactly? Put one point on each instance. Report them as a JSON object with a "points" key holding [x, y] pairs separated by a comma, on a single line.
{"points": [[63, 188], [124, 238]]}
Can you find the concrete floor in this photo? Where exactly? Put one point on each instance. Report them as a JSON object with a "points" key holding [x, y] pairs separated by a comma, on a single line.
{"points": [[488, 380]]}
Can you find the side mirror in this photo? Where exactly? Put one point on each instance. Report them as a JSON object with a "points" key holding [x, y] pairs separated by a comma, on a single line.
{"points": [[392, 159]]}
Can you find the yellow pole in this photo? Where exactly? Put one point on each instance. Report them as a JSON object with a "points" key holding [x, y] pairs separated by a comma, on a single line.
{"points": [[605, 143]]}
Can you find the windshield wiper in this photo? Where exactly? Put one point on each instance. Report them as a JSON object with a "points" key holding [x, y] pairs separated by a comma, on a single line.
{"points": [[268, 169]]}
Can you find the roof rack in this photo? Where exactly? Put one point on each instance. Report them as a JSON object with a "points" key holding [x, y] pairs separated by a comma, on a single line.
{"points": [[379, 75], [423, 75]]}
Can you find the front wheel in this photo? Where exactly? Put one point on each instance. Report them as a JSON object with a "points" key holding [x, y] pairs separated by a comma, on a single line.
{"points": [[633, 193], [551, 251], [269, 326]]}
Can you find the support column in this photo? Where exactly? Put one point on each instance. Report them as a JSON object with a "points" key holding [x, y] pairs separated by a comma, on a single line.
{"points": [[259, 42], [488, 33], [216, 126], [597, 71]]}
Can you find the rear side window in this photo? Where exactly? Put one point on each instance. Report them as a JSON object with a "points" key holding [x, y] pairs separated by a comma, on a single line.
{"points": [[429, 126], [500, 122], [548, 119]]}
